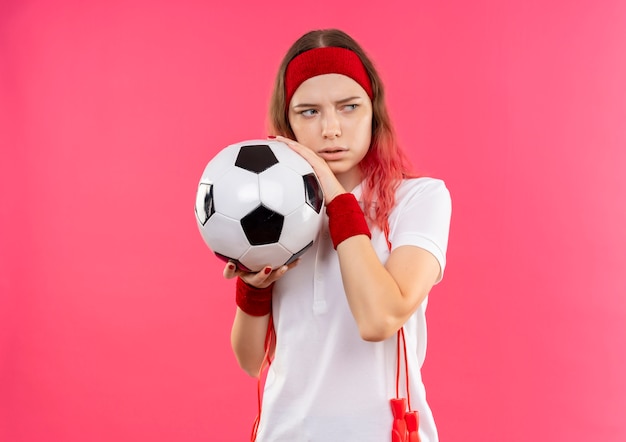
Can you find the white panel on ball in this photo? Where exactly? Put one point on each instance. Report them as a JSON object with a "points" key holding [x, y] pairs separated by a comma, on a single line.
{"points": [[281, 189], [225, 236], [236, 193], [291, 159], [220, 164], [273, 255], [302, 225]]}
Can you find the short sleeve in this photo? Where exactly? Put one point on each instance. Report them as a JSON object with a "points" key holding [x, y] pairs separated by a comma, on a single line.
{"points": [[422, 217]]}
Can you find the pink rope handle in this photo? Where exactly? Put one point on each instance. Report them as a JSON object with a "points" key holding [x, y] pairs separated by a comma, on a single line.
{"points": [[406, 367], [405, 427]]}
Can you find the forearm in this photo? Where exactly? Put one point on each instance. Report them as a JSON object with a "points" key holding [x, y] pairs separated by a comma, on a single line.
{"points": [[250, 327], [382, 297], [248, 341], [372, 293], [373, 296]]}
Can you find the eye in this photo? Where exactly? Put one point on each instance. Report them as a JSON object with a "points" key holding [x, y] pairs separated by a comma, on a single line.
{"points": [[350, 107], [308, 112]]}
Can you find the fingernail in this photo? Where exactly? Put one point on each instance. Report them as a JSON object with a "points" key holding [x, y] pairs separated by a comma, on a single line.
{"points": [[271, 137], [231, 266], [267, 270]]}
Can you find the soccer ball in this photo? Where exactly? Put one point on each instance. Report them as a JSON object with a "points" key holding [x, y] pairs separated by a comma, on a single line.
{"points": [[259, 203]]}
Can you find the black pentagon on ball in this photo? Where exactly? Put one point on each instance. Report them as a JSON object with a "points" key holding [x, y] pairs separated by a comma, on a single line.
{"points": [[313, 192], [207, 208], [256, 158], [262, 226]]}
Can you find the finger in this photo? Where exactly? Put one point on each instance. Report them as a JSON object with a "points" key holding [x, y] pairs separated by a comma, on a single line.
{"points": [[279, 272], [230, 270], [330, 185], [292, 265], [302, 150], [260, 279], [275, 275], [299, 148]]}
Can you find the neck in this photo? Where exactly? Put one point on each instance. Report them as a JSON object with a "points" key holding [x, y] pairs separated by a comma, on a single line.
{"points": [[350, 179]]}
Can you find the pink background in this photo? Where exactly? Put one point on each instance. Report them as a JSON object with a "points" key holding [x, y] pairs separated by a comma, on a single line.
{"points": [[114, 319]]}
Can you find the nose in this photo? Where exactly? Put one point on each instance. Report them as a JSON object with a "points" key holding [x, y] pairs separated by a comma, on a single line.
{"points": [[331, 128]]}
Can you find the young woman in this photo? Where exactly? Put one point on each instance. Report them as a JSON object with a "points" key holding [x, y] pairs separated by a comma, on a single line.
{"points": [[345, 314]]}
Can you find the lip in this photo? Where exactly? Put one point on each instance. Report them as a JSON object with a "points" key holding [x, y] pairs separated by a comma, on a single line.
{"points": [[333, 153]]}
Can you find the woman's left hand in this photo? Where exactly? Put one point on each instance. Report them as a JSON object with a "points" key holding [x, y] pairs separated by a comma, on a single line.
{"points": [[330, 185]]}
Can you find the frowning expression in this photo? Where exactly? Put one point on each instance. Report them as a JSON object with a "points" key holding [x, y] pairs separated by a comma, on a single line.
{"points": [[331, 114]]}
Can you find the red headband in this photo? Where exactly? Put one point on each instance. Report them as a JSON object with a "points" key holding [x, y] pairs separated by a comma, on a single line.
{"points": [[326, 60]]}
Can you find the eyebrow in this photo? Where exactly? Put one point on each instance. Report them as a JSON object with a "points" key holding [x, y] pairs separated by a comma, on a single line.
{"points": [[342, 101]]}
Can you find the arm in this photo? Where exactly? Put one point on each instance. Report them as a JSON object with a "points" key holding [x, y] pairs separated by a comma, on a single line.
{"points": [[250, 324], [381, 297], [247, 339]]}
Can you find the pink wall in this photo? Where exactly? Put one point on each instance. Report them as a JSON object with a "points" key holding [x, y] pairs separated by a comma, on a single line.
{"points": [[114, 319]]}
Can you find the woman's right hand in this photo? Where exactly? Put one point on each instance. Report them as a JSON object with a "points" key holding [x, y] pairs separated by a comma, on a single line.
{"points": [[262, 279], [329, 182]]}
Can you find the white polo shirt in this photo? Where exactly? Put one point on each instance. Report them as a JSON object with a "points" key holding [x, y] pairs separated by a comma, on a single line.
{"points": [[325, 383]]}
